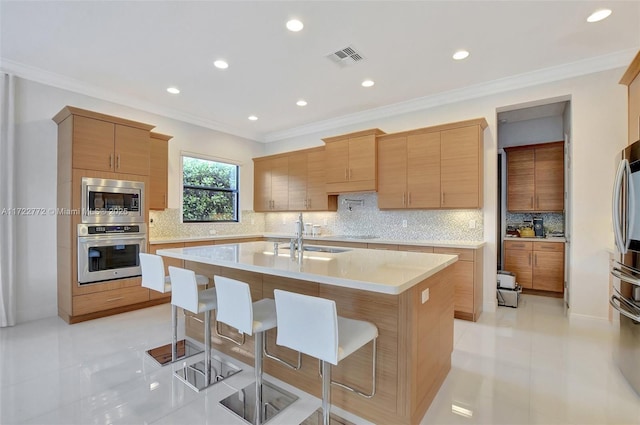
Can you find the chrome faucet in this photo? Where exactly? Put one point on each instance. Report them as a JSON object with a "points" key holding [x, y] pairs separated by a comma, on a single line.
{"points": [[299, 243]]}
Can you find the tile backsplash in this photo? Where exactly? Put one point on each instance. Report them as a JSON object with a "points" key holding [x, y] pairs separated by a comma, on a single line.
{"points": [[363, 218], [552, 222]]}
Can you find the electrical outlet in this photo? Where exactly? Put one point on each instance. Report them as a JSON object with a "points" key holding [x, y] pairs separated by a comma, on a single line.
{"points": [[404, 223], [425, 295], [325, 222], [472, 224], [253, 221], [151, 223]]}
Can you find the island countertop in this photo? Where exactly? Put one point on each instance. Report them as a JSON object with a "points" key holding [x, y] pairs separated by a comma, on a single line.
{"points": [[387, 272]]}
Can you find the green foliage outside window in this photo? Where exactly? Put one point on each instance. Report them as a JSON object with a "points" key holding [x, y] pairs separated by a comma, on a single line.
{"points": [[210, 190]]}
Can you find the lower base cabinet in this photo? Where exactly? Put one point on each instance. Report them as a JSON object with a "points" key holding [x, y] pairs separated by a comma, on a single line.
{"points": [[537, 265]]}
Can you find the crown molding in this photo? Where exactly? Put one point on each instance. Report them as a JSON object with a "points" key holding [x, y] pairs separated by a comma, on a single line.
{"points": [[542, 76], [59, 81]]}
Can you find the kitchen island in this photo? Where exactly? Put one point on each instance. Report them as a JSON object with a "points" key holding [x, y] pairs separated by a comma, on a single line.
{"points": [[407, 295]]}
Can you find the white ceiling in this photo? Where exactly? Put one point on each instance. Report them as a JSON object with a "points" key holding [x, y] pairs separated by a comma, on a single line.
{"points": [[131, 52]]}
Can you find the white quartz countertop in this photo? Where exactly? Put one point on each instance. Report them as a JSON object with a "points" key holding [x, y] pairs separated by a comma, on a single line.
{"points": [[559, 240], [388, 272], [329, 238]]}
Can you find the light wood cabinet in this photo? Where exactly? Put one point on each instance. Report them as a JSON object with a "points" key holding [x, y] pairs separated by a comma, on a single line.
{"points": [[158, 171], [107, 146], [351, 162], [631, 80], [535, 178], [537, 265], [434, 167], [271, 184], [304, 188], [466, 276]]}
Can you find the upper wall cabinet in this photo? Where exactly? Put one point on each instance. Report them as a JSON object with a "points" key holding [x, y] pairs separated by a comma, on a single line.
{"points": [[434, 167], [351, 162], [632, 81], [535, 178], [301, 186], [271, 183], [158, 170], [106, 143]]}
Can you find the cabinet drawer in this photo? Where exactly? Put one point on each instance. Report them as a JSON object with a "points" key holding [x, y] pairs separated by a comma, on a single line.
{"points": [[521, 245], [548, 246], [105, 300], [463, 254]]}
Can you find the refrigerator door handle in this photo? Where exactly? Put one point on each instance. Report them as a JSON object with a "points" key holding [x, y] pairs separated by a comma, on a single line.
{"points": [[629, 304], [625, 268], [625, 277], [619, 307], [615, 207], [631, 212]]}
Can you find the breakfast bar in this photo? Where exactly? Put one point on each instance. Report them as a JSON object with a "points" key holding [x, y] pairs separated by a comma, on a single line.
{"points": [[407, 295]]}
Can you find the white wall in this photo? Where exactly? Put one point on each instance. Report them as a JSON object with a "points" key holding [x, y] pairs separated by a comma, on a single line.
{"points": [[36, 136], [598, 125], [528, 132]]}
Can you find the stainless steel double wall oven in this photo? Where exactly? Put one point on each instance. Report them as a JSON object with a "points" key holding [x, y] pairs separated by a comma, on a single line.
{"points": [[113, 230]]}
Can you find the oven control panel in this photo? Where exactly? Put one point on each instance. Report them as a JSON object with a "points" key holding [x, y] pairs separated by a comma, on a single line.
{"points": [[111, 229]]}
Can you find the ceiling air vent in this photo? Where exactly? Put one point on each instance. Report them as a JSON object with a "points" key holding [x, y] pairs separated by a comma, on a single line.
{"points": [[346, 57]]}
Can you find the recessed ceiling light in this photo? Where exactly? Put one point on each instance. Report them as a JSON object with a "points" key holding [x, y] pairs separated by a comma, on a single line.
{"points": [[294, 25], [599, 15], [368, 83], [221, 64], [301, 102], [460, 54], [173, 90], [253, 118]]}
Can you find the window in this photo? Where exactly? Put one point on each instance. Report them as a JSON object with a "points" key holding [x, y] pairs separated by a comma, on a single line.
{"points": [[209, 191]]}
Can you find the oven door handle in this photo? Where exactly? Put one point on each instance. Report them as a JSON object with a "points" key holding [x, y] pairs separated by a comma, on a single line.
{"points": [[621, 309], [625, 276], [112, 239]]}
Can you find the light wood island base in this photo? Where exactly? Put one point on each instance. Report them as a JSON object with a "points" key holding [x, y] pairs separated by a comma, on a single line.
{"points": [[414, 346]]}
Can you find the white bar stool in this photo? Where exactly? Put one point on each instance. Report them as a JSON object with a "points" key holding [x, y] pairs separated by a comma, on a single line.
{"points": [[311, 325], [185, 294], [153, 278], [258, 402]]}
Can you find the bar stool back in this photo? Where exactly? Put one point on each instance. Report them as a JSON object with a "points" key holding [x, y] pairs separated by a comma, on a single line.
{"points": [[154, 279], [236, 309], [312, 326]]}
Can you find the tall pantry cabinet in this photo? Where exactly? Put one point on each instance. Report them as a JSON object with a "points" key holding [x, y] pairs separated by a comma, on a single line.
{"points": [[96, 145]]}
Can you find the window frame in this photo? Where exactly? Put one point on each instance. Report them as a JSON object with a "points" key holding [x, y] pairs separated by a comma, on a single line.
{"points": [[221, 160]]}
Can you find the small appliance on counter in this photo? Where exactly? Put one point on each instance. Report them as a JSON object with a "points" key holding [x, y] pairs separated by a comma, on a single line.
{"points": [[538, 227], [527, 232], [508, 291]]}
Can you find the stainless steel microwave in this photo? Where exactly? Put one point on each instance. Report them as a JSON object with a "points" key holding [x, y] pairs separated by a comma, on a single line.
{"points": [[112, 201]]}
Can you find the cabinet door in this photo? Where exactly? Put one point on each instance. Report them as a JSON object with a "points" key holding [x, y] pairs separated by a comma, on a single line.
{"points": [[462, 277], [362, 159], [337, 161], [549, 178], [520, 180], [548, 271], [297, 181], [158, 165], [316, 183], [392, 172], [459, 159], [132, 150], [93, 144], [519, 262], [261, 185], [280, 183], [423, 170]]}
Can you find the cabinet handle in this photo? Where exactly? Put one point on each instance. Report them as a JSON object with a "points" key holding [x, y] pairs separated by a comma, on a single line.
{"points": [[110, 161], [346, 176], [350, 173], [537, 201], [403, 199], [409, 198], [535, 259], [115, 299], [309, 203], [164, 199], [529, 258], [442, 198], [118, 158]]}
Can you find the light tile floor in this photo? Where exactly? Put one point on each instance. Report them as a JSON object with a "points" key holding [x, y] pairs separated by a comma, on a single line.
{"points": [[529, 365]]}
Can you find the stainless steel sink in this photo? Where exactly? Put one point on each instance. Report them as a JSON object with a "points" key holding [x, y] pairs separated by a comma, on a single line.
{"points": [[316, 248]]}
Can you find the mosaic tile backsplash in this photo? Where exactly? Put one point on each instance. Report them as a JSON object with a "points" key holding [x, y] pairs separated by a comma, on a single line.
{"points": [[553, 222], [357, 215]]}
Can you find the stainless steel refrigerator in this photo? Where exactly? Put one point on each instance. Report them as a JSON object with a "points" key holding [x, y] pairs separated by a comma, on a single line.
{"points": [[626, 266]]}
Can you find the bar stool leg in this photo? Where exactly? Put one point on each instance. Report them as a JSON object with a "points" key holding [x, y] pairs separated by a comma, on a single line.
{"points": [[174, 328], [207, 347], [258, 347], [326, 392]]}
